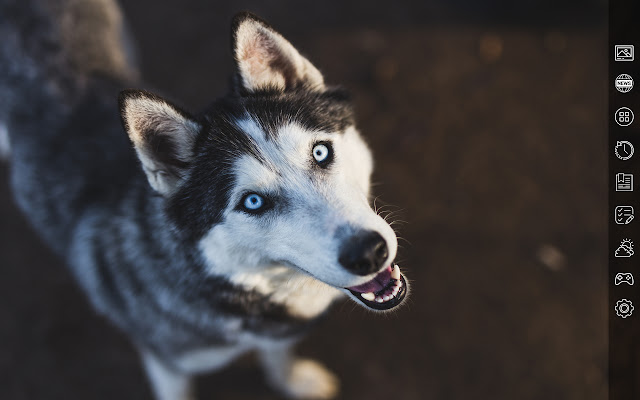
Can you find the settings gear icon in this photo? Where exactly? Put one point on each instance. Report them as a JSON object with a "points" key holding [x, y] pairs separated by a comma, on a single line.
{"points": [[624, 308]]}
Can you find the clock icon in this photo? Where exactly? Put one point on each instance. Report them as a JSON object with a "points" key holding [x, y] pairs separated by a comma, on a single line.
{"points": [[623, 150]]}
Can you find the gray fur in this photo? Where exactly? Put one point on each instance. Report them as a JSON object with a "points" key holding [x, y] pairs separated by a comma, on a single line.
{"points": [[5, 146]]}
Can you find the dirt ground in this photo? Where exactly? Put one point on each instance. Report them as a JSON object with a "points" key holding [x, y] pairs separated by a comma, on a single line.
{"points": [[490, 142]]}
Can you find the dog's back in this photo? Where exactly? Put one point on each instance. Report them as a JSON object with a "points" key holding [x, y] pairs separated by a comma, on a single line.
{"points": [[61, 65], [53, 46], [73, 172]]}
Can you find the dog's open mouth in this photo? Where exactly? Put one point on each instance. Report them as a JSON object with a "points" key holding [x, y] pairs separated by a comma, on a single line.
{"points": [[387, 290]]}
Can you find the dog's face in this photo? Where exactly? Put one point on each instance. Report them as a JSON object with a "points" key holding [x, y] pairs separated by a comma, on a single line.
{"points": [[273, 174]]}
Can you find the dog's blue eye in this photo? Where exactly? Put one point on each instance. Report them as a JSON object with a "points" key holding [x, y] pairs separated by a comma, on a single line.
{"points": [[253, 202], [322, 153]]}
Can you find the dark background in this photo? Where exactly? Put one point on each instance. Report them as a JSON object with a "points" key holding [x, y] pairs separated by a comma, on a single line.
{"points": [[488, 123]]}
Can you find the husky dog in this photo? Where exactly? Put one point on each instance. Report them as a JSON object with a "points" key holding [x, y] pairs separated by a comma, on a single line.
{"points": [[201, 236]]}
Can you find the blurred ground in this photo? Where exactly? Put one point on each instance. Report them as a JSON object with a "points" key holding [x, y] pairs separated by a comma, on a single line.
{"points": [[490, 143]]}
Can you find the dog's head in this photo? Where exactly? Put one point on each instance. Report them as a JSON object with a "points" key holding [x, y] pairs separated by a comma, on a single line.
{"points": [[275, 173]]}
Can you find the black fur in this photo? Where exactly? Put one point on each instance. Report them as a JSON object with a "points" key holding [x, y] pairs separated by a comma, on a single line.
{"points": [[328, 111]]}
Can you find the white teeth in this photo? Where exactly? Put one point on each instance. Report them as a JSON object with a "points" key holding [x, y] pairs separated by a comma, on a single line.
{"points": [[391, 290], [395, 273], [368, 296]]}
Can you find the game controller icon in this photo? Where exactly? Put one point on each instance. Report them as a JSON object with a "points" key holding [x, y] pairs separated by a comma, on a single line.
{"points": [[624, 308], [624, 277]]}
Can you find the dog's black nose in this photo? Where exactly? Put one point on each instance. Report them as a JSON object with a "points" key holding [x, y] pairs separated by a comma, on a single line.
{"points": [[363, 253]]}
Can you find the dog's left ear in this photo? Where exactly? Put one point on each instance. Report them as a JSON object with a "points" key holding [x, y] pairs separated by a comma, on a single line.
{"points": [[267, 61], [163, 136]]}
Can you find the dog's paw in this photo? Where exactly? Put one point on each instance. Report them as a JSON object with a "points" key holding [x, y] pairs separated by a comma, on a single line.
{"points": [[311, 380]]}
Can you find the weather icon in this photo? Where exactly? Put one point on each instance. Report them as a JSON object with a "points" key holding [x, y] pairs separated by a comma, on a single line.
{"points": [[625, 250]]}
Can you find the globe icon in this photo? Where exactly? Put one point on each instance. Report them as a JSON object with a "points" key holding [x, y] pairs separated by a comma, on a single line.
{"points": [[624, 83]]}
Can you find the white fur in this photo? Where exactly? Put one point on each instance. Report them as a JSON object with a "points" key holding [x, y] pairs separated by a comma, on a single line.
{"points": [[208, 360], [5, 145], [296, 377], [167, 384], [303, 295], [309, 379], [293, 256], [176, 382]]}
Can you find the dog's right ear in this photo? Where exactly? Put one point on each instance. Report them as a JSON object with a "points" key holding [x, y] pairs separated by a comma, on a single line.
{"points": [[163, 136]]}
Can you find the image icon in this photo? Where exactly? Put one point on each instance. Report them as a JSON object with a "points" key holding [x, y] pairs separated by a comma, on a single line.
{"points": [[624, 277], [624, 83], [623, 215], [624, 308], [625, 250], [624, 116], [624, 52], [623, 150], [624, 182]]}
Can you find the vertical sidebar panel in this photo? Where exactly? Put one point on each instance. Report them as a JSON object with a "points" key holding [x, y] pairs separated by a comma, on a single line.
{"points": [[624, 199]]}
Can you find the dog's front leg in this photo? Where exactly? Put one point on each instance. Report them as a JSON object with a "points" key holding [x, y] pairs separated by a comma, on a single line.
{"points": [[297, 378], [166, 383]]}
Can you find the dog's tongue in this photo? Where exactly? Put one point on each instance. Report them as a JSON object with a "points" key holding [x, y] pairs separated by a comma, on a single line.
{"points": [[376, 284]]}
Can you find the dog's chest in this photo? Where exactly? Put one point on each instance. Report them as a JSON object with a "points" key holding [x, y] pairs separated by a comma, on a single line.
{"points": [[301, 295]]}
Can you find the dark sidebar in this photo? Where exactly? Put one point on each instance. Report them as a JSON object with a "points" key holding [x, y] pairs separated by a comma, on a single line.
{"points": [[624, 199]]}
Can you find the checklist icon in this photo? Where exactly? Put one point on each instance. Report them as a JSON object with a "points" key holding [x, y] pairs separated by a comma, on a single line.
{"points": [[624, 182], [623, 215]]}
